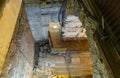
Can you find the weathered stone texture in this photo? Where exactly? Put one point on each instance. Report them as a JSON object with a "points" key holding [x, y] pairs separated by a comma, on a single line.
{"points": [[8, 17], [99, 68], [39, 19], [20, 60]]}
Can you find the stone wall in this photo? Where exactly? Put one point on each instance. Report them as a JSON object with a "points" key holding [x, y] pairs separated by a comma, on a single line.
{"points": [[39, 19], [9, 14], [20, 58], [101, 67]]}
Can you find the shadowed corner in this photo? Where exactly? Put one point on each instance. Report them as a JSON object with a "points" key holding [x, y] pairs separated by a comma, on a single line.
{"points": [[2, 5]]}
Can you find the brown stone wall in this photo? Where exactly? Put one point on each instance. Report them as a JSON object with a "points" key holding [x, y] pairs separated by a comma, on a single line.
{"points": [[80, 44]]}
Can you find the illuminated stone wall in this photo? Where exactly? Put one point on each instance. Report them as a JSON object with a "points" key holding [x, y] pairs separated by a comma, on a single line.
{"points": [[19, 56], [7, 25]]}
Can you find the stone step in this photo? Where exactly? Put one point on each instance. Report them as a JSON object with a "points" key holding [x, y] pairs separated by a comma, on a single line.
{"points": [[73, 72]]}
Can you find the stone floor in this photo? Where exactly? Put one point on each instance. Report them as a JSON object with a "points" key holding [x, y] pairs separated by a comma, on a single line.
{"points": [[56, 64]]}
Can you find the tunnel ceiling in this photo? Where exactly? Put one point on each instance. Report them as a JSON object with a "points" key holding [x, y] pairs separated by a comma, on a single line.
{"points": [[110, 9]]}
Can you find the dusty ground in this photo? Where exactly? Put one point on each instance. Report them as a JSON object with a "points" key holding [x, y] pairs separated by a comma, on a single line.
{"points": [[53, 65]]}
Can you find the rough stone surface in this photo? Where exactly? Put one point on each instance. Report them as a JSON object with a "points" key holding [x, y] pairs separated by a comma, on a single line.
{"points": [[20, 58], [39, 19], [99, 69], [74, 64], [10, 11]]}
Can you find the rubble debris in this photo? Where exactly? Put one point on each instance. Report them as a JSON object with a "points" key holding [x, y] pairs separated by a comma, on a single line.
{"points": [[73, 28]]}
